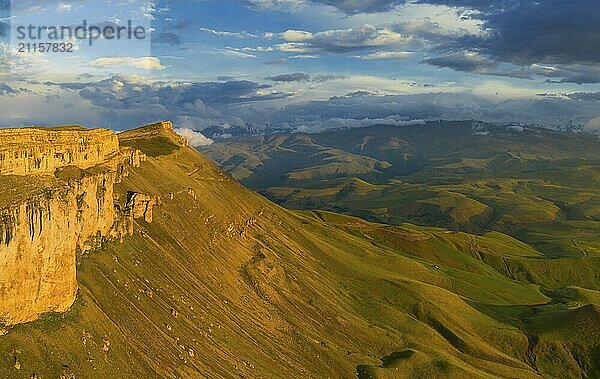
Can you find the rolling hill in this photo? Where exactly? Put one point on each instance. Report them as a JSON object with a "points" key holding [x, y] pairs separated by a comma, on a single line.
{"points": [[213, 280]]}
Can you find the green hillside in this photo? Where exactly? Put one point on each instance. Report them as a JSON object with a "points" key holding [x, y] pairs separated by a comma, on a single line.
{"points": [[226, 284], [537, 185]]}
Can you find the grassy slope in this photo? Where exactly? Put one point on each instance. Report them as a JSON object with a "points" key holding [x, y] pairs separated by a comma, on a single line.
{"points": [[228, 284]]}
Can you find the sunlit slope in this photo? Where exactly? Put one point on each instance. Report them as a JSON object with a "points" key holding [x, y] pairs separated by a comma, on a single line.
{"points": [[225, 284]]}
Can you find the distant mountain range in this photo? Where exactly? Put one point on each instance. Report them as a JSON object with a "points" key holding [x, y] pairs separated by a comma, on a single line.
{"points": [[225, 132]]}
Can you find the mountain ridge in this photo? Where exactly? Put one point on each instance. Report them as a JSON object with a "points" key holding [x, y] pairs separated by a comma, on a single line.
{"points": [[219, 282]]}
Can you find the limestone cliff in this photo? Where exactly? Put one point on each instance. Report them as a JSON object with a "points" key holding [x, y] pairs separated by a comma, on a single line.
{"points": [[57, 203], [41, 151]]}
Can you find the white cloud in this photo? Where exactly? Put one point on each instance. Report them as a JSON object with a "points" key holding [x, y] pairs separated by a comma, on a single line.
{"points": [[64, 8], [296, 36], [295, 47], [343, 40], [144, 63], [221, 33], [387, 55], [365, 36], [195, 138], [304, 57], [231, 52]]}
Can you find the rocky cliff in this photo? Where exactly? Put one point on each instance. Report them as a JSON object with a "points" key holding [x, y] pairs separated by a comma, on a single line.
{"points": [[57, 202], [41, 151]]}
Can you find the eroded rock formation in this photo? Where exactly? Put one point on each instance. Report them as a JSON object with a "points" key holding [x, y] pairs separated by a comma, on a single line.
{"points": [[41, 151], [140, 205], [41, 238], [58, 203]]}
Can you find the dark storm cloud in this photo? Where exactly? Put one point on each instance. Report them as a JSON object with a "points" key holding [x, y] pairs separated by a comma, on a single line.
{"points": [[463, 62], [552, 38], [474, 63], [293, 77], [119, 92], [561, 36], [550, 32], [129, 101], [122, 102]]}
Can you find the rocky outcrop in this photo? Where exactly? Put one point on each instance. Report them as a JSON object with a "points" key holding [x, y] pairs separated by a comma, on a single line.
{"points": [[41, 151], [69, 208], [162, 129], [140, 205]]}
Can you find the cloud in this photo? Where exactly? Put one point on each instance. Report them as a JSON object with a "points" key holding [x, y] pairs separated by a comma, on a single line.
{"points": [[126, 101], [361, 6], [585, 96], [549, 32], [221, 33], [294, 77], [304, 57], [195, 138], [132, 100], [387, 55], [552, 38], [346, 6], [64, 7], [573, 73], [6, 90], [295, 47], [326, 77], [303, 77], [235, 53], [550, 112], [297, 36], [465, 62], [342, 40], [276, 4], [477, 64], [144, 63], [515, 38]]}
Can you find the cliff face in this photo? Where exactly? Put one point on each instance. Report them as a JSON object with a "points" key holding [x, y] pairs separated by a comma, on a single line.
{"points": [[39, 241], [41, 151], [58, 203]]}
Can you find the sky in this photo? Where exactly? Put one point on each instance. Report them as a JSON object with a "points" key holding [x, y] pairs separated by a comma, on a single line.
{"points": [[304, 65]]}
